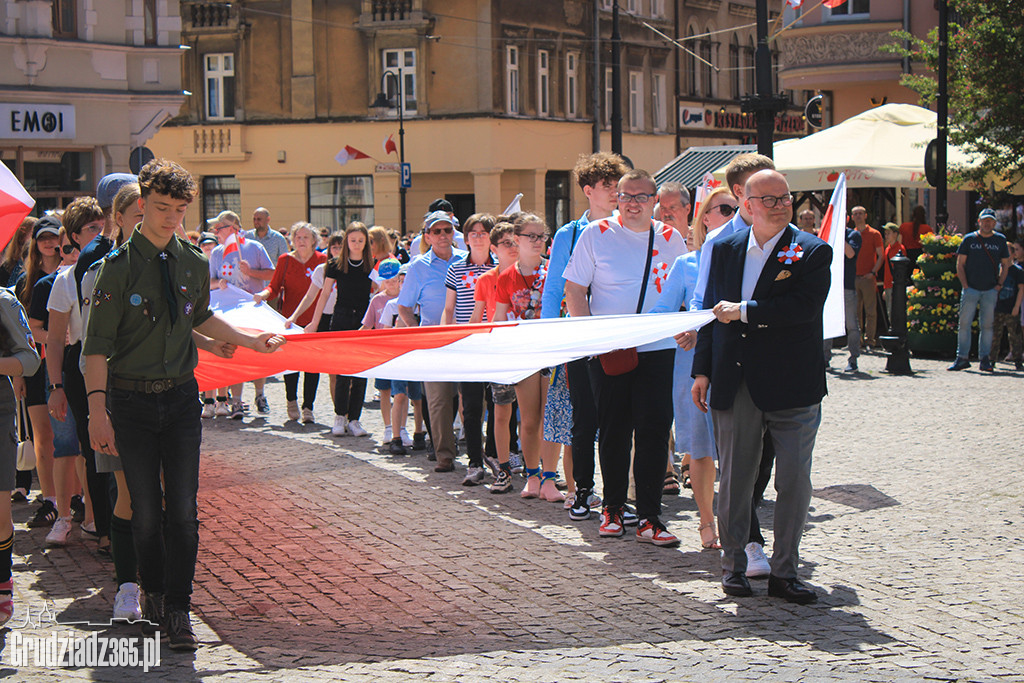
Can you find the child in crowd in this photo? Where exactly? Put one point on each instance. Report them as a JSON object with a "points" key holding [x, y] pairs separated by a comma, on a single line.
{"points": [[390, 284], [460, 281], [402, 392], [518, 291]]}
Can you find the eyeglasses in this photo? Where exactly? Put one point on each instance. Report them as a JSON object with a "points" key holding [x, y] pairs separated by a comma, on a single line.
{"points": [[771, 201], [478, 233], [533, 236], [68, 248], [725, 209], [508, 244], [218, 228], [641, 198], [439, 231], [325, 234]]}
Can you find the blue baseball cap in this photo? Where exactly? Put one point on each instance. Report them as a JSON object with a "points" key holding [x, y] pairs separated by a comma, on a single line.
{"points": [[388, 268], [110, 185], [987, 213]]}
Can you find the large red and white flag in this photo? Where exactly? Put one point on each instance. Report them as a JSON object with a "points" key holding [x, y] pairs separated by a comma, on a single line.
{"points": [[348, 153], [503, 352], [15, 204], [833, 231]]}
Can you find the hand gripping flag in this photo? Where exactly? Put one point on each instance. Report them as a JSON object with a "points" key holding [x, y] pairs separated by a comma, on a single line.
{"points": [[15, 204], [348, 153], [833, 231]]}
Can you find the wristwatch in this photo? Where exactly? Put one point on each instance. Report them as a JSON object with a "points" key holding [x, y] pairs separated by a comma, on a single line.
{"points": [[56, 386]]}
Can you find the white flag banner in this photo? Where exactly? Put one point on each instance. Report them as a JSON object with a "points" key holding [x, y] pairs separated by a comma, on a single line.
{"points": [[237, 307], [833, 231]]}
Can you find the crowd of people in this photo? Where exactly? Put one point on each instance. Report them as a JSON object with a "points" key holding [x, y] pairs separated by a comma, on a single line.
{"points": [[114, 295]]}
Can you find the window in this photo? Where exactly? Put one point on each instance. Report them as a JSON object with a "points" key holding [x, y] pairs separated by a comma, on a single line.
{"points": [[149, 21], [512, 79], [608, 96], [64, 15], [749, 73], [543, 83], [402, 63], [691, 64], [556, 198], [735, 75], [707, 79], [606, 4], [336, 201], [221, 193], [633, 6], [658, 9], [636, 100], [220, 86], [572, 88], [851, 7], [658, 99]]}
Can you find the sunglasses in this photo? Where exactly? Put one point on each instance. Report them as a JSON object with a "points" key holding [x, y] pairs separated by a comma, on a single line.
{"points": [[726, 210], [68, 248], [440, 231]]}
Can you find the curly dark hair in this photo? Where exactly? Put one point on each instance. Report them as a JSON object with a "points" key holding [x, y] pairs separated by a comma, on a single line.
{"points": [[166, 177]]}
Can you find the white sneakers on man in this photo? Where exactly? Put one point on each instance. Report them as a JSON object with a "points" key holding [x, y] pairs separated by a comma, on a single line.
{"points": [[356, 429], [126, 603], [757, 562]]}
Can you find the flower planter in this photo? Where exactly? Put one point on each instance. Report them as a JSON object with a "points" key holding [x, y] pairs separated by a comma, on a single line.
{"points": [[930, 343]]}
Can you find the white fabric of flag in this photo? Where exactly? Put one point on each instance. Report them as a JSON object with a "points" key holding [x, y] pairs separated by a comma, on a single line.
{"points": [[833, 231]]}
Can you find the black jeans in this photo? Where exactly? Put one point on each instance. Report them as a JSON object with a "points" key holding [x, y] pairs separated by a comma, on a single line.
{"points": [[157, 433], [98, 483], [349, 392], [472, 419], [309, 386], [635, 407], [584, 423]]}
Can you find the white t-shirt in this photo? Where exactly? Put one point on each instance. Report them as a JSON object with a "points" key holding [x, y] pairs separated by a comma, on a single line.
{"points": [[317, 279], [388, 314], [64, 299], [610, 260]]}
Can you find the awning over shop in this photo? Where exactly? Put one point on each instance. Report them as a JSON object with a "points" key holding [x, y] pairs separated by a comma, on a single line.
{"points": [[689, 167]]}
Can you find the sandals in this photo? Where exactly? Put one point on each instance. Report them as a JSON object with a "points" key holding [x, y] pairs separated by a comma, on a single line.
{"points": [[532, 488], [549, 488], [713, 544], [686, 476], [671, 487], [6, 601]]}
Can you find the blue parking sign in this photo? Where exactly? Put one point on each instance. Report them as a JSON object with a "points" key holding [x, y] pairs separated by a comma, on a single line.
{"points": [[406, 181]]}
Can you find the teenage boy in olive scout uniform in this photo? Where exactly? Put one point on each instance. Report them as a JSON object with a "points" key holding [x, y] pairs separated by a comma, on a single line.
{"points": [[140, 353]]}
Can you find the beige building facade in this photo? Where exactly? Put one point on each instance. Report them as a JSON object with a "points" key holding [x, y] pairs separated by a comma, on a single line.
{"points": [[85, 83]]}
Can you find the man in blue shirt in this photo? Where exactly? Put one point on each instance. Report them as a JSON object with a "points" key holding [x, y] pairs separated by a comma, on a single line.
{"points": [[424, 289], [982, 264], [598, 176]]}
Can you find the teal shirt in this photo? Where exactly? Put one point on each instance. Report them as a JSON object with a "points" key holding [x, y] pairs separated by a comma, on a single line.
{"points": [[129, 322]]}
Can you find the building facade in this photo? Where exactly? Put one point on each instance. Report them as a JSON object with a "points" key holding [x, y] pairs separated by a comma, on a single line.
{"points": [[497, 97], [86, 82]]}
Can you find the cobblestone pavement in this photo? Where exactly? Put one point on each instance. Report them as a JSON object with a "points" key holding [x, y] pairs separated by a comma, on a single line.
{"points": [[322, 559]]}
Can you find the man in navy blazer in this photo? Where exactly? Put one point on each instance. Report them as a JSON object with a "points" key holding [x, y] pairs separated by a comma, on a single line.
{"points": [[762, 356]]}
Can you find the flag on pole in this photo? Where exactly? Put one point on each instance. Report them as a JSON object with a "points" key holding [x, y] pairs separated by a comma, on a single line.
{"points": [[708, 183], [15, 204], [389, 145], [348, 153], [504, 352], [833, 231], [234, 244], [795, 3], [513, 207], [831, 4]]}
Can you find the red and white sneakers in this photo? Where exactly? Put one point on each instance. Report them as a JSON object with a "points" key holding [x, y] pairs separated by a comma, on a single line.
{"points": [[611, 521], [653, 531]]}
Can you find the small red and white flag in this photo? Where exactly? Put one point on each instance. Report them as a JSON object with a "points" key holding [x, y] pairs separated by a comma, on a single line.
{"points": [[389, 145], [832, 3], [233, 244], [833, 231], [708, 183], [795, 3], [348, 153], [15, 204]]}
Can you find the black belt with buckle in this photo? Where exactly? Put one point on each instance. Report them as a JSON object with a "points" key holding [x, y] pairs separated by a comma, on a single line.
{"points": [[150, 386]]}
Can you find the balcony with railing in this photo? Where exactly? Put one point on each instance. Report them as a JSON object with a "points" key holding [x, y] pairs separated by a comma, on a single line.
{"points": [[384, 14], [209, 17], [215, 142]]}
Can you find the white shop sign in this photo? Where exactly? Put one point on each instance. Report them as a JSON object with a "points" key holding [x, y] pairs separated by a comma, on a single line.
{"points": [[37, 121]]}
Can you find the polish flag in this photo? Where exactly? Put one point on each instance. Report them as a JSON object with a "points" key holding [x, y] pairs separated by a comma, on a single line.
{"points": [[795, 3], [833, 231], [708, 183], [348, 153], [503, 352], [832, 3], [233, 244], [389, 145], [15, 204]]}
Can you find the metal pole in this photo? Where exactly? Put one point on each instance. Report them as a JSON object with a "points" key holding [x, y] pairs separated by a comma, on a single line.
{"points": [[595, 89], [401, 147], [941, 205], [763, 73], [616, 81]]}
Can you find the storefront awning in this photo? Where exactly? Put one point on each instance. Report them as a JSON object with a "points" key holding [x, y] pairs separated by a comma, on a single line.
{"points": [[689, 167]]}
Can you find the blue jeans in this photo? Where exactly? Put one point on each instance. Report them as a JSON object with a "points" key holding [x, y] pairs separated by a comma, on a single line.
{"points": [[971, 299], [154, 433]]}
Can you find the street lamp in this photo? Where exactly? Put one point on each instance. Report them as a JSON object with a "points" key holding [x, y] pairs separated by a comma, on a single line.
{"points": [[381, 105]]}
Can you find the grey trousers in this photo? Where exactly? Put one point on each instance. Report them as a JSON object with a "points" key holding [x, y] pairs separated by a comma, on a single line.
{"points": [[440, 397], [738, 433]]}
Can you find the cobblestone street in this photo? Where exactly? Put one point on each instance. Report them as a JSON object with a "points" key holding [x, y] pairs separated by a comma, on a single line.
{"points": [[323, 559]]}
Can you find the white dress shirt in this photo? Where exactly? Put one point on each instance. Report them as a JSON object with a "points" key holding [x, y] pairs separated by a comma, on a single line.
{"points": [[757, 256]]}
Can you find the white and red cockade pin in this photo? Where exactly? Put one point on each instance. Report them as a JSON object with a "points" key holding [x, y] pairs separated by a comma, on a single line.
{"points": [[791, 254]]}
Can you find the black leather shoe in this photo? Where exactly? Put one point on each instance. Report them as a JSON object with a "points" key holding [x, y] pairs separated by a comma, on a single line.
{"points": [[791, 590], [736, 584]]}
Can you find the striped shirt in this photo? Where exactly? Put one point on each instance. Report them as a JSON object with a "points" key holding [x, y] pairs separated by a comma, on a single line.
{"points": [[461, 278]]}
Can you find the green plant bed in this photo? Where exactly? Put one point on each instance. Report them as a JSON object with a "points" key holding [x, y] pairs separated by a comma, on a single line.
{"points": [[937, 248], [925, 283], [941, 344], [933, 269]]}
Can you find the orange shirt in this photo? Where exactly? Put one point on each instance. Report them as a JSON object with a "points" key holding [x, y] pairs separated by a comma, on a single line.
{"points": [[485, 292], [521, 292], [870, 241], [907, 232], [891, 250]]}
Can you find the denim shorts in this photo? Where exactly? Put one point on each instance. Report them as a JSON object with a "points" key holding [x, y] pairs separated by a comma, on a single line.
{"points": [[414, 390], [65, 437], [503, 394], [382, 384]]}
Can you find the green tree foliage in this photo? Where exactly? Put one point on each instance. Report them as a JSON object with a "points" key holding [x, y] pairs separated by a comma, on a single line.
{"points": [[986, 87]]}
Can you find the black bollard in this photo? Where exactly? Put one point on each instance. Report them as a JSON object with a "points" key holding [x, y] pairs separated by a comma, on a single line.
{"points": [[896, 341]]}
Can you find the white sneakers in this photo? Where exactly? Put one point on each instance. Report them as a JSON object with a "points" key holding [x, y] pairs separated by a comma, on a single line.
{"points": [[222, 409], [208, 409], [356, 429], [293, 410], [59, 532], [388, 435], [340, 425], [307, 416], [757, 562], [406, 439], [126, 603]]}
